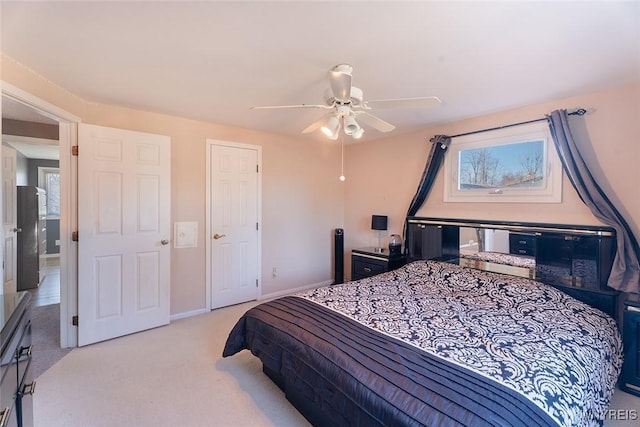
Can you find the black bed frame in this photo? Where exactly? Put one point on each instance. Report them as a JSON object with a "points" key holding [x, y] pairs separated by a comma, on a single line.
{"points": [[556, 247], [305, 406]]}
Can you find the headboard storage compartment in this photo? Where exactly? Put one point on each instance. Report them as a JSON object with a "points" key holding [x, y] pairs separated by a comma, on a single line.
{"points": [[574, 258]]}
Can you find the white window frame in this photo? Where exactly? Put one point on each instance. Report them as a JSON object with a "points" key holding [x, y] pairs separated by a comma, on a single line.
{"points": [[42, 170], [549, 192]]}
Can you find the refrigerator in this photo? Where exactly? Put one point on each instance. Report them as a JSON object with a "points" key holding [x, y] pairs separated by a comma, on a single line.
{"points": [[32, 236]]}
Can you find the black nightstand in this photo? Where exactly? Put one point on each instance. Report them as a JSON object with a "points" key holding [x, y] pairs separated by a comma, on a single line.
{"points": [[366, 262], [630, 380]]}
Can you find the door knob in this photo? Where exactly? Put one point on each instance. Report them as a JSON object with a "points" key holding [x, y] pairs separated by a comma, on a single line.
{"points": [[16, 230], [164, 241], [218, 236]]}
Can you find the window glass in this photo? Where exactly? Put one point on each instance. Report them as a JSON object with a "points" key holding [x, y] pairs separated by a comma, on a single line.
{"points": [[49, 180], [516, 164], [502, 166]]}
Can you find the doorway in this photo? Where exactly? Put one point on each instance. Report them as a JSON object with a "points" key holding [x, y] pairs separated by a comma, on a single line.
{"points": [[22, 107], [34, 140]]}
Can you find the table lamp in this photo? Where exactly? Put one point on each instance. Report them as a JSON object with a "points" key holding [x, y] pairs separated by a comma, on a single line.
{"points": [[379, 223]]}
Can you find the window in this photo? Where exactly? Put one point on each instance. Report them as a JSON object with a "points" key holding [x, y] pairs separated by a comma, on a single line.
{"points": [[49, 180], [516, 164]]}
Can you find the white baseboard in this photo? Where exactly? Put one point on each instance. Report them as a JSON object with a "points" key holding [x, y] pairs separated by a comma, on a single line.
{"points": [[291, 291], [260, 298], [187, 314]]}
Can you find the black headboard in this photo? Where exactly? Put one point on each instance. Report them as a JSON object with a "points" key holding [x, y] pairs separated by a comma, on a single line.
{"points": [[576, 259]]}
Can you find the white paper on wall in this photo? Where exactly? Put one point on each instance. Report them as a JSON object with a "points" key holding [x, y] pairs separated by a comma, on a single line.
{"points": [[185, 234]]}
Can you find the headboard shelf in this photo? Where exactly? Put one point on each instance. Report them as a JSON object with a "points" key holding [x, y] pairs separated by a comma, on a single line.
{"points": [[521, 227]]}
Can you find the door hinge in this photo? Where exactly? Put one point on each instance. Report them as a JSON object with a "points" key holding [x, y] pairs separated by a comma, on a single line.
{"points": [[74, 150], [257, 168], [257, 226], [256, 283], [74, 236], [74, 320]]}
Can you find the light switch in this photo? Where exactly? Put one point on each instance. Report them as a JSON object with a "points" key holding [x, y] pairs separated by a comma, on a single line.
{"points": [[185, 234]]}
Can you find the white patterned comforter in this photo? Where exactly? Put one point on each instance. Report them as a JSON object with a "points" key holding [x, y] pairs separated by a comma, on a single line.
{"points": [[560, 353]]}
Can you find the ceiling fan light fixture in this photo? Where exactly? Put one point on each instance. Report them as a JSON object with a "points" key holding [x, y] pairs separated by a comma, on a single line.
{"points": [[358, 134], [331, 128], [350, 125]]}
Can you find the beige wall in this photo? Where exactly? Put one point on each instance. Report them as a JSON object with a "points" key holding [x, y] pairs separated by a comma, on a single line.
{"points": [[383, 175], [303, 201], [302, 198]]}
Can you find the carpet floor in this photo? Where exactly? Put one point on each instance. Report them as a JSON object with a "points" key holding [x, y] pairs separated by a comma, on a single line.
{"points": [[168, 376], [45, 336], [175, 376]]}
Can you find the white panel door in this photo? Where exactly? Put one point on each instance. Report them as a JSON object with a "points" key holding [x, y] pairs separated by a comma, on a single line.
{"points": [[233, 224], [9, 220], [124, 226]]}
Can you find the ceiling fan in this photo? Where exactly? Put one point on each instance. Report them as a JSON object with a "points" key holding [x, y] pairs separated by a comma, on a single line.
{"points": [[347, 104]]}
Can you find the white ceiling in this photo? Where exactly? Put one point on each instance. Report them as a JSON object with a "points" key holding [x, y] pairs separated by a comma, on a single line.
{"points": [[12, 109], [33, 148], [212, 61]]}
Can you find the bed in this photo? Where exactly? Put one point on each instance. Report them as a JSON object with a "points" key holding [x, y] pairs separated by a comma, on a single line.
{"points": [[435, 343]]}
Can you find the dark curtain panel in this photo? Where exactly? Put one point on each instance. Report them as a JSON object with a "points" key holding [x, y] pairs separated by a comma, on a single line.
{"points": [[439, 146], [625, 273]]}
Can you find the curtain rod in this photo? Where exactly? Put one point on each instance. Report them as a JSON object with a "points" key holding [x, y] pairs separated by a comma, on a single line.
{"points": [[578, 112]]}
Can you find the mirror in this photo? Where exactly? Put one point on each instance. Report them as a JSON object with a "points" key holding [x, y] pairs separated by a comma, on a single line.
{"points": [[498, 250], [577, 256]]}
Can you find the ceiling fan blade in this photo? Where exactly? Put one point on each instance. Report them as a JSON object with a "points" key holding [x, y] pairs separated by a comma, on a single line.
{"points": [[281, 107], [340, 82], [316, 125], [374, 122], [425, 102]]}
